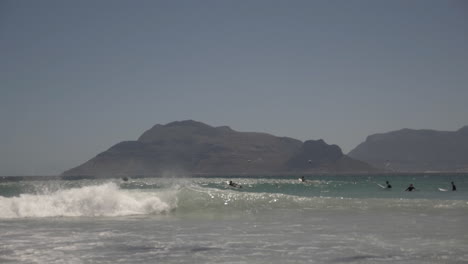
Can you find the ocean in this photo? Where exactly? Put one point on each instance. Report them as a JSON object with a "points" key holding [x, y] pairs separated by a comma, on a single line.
{"points": [[276, 219]]}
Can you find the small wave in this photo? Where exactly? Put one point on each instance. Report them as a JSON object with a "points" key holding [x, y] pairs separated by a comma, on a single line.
{"points": [[101, 200], [216, 200], [110, 199]]}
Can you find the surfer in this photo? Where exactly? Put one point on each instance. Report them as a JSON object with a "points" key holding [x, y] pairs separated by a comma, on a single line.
{"points": [[124, 179], [388, 185], [233, 184], [302, 179], [454, 188], [410, 188]]}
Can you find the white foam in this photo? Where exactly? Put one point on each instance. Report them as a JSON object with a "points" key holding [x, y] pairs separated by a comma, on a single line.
{"points": [[101, 200]]}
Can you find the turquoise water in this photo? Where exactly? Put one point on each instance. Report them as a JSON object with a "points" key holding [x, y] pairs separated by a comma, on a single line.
{"points": [[350, 186], [327, 219]]}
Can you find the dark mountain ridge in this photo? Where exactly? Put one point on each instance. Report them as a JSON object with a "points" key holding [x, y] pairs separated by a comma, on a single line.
{"points": [[416, 150], [195, 148]]}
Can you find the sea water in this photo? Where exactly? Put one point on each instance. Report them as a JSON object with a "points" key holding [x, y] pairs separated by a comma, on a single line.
{"points": [[327, 219]]}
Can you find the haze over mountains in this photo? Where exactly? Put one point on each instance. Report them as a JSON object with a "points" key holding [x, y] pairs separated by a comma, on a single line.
{"points": [[194, 147], [191, 147], [416, 150]]}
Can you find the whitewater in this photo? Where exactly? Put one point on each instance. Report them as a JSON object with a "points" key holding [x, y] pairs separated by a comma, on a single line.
{"points": [[271, 219]]}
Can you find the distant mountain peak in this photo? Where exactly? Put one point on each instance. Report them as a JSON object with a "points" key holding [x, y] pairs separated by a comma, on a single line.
{"points": [[188, 122], [416, 150], [195, 147], [178, 129]]}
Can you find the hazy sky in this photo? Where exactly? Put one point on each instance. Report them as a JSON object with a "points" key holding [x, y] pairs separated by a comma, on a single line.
{"points": [[77, 77]]}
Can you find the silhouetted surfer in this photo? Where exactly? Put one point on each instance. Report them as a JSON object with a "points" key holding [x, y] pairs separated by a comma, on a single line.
{"points": [[410, 188], [124, 179], [388, 185], [302, 179], [233, 184], [454, 188]]}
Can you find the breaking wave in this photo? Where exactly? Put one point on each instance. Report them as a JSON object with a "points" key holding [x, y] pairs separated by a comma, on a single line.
{"points": [[110, 199], [101, 200]]}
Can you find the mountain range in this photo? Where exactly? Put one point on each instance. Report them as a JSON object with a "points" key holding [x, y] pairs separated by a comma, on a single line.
{"points": [[191, 147], [413, 150]]}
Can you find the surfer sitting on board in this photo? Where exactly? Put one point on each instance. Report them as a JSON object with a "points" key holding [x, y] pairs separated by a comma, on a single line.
{"points": [[454, 188], [388, 185], [234, 184], [410, 188]]}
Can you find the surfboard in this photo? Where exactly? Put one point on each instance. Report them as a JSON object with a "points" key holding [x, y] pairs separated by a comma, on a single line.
{"points": [[301, 180], [381, 186], [442, 190]]}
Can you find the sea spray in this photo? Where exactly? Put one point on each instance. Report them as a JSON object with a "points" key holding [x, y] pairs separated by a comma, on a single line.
{"points": [[153, 196], [101, 200], [327, 219]]}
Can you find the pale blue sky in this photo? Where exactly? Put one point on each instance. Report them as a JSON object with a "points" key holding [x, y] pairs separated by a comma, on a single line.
{"points": [[77, 77]]}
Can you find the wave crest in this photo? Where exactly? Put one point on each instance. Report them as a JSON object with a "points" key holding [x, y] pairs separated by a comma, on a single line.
{"points": [[101, 200]]}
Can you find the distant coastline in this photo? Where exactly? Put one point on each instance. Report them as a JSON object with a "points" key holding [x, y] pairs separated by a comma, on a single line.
{"points": [[418, 150], [192, 147]]}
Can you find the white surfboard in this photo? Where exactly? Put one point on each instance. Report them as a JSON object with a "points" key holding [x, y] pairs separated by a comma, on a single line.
{"points": [[381, 186], [442, 190]]}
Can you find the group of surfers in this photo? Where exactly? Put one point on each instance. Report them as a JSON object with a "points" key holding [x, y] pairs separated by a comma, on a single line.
{"points": [[302, 179], [412, 188], [388, 185]]}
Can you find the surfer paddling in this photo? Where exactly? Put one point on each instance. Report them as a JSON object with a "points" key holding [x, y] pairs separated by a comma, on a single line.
{"points": [[454, 188], [233, 184], [388, 185], [410, 188]]}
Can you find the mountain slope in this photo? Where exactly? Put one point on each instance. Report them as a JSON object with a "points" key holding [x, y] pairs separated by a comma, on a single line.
{"points": [[416, 150], [194, 147]]}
